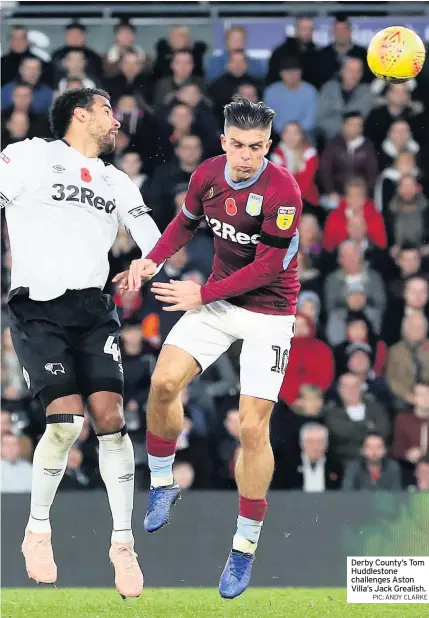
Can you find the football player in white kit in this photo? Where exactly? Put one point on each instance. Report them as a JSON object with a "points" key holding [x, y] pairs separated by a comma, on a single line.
{"points": [[63, 210]]}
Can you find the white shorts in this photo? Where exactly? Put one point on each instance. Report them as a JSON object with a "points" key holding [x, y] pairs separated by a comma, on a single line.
{"points": [[207, 332]]}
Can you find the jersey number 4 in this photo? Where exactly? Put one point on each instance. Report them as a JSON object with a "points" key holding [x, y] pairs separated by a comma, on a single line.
{"points": [[281, 359], [111, 347]]}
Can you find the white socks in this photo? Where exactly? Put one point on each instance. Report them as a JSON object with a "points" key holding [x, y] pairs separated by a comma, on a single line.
{"points": [[49, 465], [116, 461]]}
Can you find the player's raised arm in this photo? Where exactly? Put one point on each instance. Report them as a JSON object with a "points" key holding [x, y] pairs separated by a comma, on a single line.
{"points": [[278, 244], [178, 233]]}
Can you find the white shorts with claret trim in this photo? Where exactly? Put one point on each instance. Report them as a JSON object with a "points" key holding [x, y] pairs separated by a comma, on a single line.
{"points": [[207, 332]]}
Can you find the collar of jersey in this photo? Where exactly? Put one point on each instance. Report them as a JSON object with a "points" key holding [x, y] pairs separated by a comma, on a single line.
{"points": [[244, 183], [96, 159]]}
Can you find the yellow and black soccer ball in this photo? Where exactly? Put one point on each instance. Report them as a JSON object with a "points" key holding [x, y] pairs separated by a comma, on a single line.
{"points": [[396, 54]]}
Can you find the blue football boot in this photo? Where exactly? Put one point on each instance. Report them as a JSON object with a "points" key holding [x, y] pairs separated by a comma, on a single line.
{"points": [[161, 499], [236, 575]]}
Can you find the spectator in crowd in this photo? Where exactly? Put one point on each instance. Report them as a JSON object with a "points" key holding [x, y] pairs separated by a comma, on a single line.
{"points": [[16, 473], [408, 264], [411, 429], [355, 218], [399, 139], [339, 96], [235, 40], [408, 360], [310, 238], [182, 67], [286, 424], [421, 475], [225, 86], [315, 470], [359, 362], [138, 363], [293, 99], [373, 470], [331, 59], [309, 305], [300, 46], [76, 40], [140, 124], [19, 48], [309, 274], [125, 39], [30, 73], [310, 361], [359, 331], [414, 300], [249, 91], [179, 39], [387, 182], [74, 64], [354, 277], [21, 102], [130, 79], [346, 156], [170, 175], [407, 218], [352, 417], [131, 164], [296, 154], [398, 107], [17, 128]]}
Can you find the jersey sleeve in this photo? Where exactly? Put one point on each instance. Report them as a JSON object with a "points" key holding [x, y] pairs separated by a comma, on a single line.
{"points": [[282, 213], [13, 167], [132, 215]]}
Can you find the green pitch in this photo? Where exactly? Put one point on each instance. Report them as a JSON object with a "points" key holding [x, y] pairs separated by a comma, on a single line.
{"points": [[194, 603]]}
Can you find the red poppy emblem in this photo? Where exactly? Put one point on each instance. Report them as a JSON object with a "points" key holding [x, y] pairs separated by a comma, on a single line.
{"points": [[85, 175], [230, 206]]}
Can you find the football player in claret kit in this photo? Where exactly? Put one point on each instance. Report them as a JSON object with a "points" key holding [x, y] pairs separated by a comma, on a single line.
{"points": [[63, 209], [253, 208]]}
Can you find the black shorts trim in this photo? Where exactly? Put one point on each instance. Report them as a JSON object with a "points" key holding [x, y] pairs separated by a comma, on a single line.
{"points": [[97, 385], [277, 242], [56, 391]]}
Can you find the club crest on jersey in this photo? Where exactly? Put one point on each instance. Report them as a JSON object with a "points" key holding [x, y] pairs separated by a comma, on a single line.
{"points": [[85, 175], [254, 204], [230, 206], [285, 217]]}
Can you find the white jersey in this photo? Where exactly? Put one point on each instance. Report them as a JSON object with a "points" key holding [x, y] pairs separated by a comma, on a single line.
{"points": [[63, 212]]}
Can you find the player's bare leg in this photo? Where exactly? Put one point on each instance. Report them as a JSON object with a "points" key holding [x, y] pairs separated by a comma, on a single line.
{"points": [[253, 473], [116, 461], [64, 422], [174, 370]]}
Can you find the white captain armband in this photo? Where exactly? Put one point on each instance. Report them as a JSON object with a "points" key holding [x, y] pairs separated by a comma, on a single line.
{"points": [[3, 200]]}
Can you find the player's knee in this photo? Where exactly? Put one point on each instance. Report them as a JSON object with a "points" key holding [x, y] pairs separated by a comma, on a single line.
{"points": [[254, 433], [63, 434], [108, 419], [164, 386]]}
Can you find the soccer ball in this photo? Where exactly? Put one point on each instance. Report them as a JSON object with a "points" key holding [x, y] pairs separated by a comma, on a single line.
{"points": [[396, 54]]}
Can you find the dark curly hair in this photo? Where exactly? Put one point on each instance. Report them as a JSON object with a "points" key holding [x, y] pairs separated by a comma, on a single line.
{"points": [[61, 112]]}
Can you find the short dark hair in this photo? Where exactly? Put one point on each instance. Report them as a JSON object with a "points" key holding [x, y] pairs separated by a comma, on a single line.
{"points": [[124, 24], [374, 434], [76, 25], [243, 114], [61, 112]]}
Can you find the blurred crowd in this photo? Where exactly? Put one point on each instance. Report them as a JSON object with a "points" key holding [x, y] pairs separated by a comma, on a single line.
{"points": [[353, 411]]}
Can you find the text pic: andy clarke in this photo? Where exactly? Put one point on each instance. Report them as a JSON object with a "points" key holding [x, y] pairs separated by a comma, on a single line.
{"points": [[384, 575]]}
